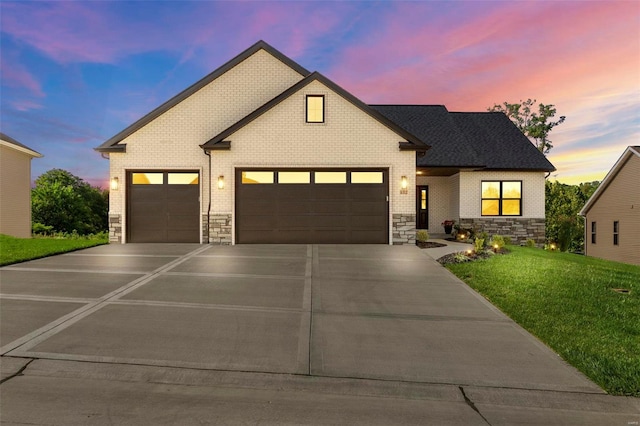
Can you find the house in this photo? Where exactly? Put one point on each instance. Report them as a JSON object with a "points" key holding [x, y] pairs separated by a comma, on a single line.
{"points": [[15, 187], [612, 214], [263, 151]]}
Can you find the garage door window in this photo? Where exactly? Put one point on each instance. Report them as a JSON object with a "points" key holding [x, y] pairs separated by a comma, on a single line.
{"points": [[253, 177], [331, 177], [366, 177], [183, 178], [294, 177], [147, 178]]}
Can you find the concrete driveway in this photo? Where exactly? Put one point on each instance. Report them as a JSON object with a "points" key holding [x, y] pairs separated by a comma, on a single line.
{"points": [[277, 334]]}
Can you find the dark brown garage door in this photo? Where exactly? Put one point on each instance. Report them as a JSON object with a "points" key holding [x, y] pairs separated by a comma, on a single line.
{"points": [[312, 206], [163, 207]]}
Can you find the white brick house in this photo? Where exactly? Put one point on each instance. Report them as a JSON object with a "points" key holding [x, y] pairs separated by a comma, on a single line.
{"points": [[263, 151]]}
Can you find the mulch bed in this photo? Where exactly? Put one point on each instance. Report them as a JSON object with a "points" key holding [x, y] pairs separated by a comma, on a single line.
{"points": [[430, 244], [462, 257]]}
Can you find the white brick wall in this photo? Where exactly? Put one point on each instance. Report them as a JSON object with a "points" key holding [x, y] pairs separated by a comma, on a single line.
{"points": [[532, 192], [172, 140]]}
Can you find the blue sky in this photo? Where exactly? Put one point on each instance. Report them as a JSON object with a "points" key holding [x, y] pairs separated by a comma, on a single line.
{"points": [[74, 74]]}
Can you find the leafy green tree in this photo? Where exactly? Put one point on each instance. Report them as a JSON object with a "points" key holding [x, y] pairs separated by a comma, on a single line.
{"points": [[66, 203], [535, 125], [562, 204]]}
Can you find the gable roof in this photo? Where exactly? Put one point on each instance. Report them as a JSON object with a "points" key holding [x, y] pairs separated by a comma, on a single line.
{"points": [[628, 153], [11, 142], [111, 145], [487, 140], [414, 143]]}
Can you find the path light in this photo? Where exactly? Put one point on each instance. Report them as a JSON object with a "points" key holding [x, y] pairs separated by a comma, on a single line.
{"points": [[114, 184], [553, 246], [220, 182]]}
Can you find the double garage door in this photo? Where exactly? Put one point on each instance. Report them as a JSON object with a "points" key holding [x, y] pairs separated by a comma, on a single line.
{"points": [[318, 206]]}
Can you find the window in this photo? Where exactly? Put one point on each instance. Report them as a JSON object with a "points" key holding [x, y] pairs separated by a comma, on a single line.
{"points": [[183, 178], [331, 177], [315, 108], [367, 177], [615, 232], [294, 177], [251, 177], [147, 178], [501, 198], [593, 232]]}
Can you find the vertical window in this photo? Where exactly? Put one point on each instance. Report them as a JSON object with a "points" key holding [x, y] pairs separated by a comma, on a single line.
{"points": [[615, 232], [315, 109], [593, 232], [501, 198]]}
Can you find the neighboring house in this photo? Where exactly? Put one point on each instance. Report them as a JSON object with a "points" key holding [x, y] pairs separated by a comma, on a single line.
{"points": [[15, 187], [612, 214], [264, 151]]}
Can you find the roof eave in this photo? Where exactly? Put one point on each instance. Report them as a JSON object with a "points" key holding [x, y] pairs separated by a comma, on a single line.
{"points": [[114, 148], [608, 178]]}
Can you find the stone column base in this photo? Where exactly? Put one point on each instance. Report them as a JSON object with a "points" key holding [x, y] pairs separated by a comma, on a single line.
{"points": [[404, 229]]}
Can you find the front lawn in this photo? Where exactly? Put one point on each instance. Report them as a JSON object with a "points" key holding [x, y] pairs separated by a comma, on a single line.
{"points": [[14, 250], [568, 302]]}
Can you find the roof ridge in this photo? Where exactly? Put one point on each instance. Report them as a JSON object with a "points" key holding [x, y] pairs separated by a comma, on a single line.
{"points": [[110, 143]]}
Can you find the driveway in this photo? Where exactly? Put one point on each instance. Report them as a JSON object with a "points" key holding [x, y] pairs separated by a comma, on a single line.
{"points": [[383, 334]]}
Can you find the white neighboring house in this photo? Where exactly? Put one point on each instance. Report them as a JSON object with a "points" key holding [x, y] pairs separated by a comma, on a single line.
{"points": [[612, 213], [15, 187], [263, 151]]}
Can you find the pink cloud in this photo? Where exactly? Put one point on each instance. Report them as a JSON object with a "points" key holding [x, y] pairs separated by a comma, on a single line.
{"points": [[14, 74], [26, 105]]}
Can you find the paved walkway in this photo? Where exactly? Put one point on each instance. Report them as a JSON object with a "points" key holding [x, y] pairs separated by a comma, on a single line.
{"points": [[287, 334]]}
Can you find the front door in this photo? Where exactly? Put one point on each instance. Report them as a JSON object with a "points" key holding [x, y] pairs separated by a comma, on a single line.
{"points": [[422, 207]]}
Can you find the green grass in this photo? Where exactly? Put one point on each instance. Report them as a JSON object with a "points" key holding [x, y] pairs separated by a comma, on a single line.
{"points": [[567, 302], [14, 250]]}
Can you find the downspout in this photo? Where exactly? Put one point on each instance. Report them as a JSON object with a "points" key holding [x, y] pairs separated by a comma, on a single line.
{"points": [[208, 154], [548, 174]]}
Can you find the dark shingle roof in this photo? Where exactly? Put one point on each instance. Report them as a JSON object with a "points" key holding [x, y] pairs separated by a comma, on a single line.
{"points": [[434, 125], [487, 140]]}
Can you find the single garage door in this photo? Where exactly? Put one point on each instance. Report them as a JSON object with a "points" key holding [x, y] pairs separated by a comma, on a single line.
{"points": [[312, 206], [163, 207]]}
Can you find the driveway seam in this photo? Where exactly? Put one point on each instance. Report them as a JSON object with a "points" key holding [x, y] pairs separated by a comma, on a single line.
{"points": [[472, 405], [18, 373], [45, 332]]}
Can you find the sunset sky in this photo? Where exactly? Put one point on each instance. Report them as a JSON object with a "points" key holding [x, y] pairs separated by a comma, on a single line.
{"points": [[76, 73]]}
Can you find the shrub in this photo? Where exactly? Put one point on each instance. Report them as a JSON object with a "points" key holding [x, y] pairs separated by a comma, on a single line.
{"points": [[507, 241], [41, 229], [479, 244], [530, 243], [422, 235], [497, 242]]}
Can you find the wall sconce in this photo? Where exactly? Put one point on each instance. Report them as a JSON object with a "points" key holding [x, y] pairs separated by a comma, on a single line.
{"points": [[220, 182], [403, 185], [114, 184]]}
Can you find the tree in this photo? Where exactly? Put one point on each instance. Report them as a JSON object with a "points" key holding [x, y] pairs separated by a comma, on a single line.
{"points": [[562, 205], [66, 203], [535, 125]]}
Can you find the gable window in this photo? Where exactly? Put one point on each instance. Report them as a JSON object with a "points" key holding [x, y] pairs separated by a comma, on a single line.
{"points": [[501, 198], [616, 227], [315, 108], [593, 232]]}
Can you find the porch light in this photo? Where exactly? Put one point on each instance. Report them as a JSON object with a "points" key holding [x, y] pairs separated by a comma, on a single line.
{"points": [[220, 182], [404, 182], [114, 184]]}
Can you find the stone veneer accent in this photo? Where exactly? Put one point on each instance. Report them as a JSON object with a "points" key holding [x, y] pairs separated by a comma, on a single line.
{"points": [[115, 228], [404, 229], [219, 229], [519, 229]]}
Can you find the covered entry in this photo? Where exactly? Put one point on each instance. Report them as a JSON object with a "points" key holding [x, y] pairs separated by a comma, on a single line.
{"points": [[163, 206], [312, 206]]}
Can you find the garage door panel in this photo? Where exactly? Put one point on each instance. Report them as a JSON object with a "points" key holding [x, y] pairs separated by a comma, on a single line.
{"points": [[311, 213], [330, 192]]}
